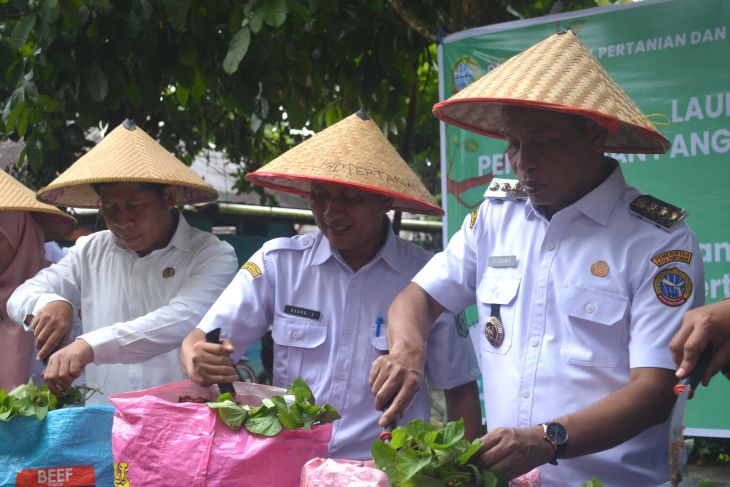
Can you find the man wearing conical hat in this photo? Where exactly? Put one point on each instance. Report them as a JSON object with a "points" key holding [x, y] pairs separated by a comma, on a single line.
{"points": [[25, 224], [139, 286], [579, 280], [326, 293]]}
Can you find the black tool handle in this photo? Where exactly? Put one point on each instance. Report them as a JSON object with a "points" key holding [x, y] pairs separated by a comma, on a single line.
{"points": [[214, 336], [698, 372]]}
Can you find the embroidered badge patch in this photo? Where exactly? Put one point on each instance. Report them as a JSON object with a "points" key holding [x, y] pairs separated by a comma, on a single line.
{"points": [[461, 326], [673, 287], [252, 268], [672, 256], [473, 220]]}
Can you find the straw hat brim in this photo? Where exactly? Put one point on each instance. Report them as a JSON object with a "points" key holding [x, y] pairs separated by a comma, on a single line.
{"points": [[81, 194], [54, 224], [354, 153], [14, 196], [558, 74], [623, 137], [126, 155], [301, 186]]}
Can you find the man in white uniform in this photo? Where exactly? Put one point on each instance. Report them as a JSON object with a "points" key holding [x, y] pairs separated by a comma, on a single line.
{"points": [[140, 286], [327, 293], [578, 297]]}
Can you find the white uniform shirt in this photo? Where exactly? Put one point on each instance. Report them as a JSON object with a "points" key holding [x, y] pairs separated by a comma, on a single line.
{"points": [[572, 334], [133, 316], [323, 319]]}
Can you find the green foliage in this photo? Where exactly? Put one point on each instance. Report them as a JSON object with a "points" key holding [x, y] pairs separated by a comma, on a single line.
{"points": [[29, 400], [594, 482], [275, 414], [422, 455], [244, 78], [710, 450]]}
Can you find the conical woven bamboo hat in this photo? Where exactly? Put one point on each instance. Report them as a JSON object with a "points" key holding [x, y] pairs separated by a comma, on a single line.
{"points": [[557, 74], [16, 197], [126, 155], [353, 152]]}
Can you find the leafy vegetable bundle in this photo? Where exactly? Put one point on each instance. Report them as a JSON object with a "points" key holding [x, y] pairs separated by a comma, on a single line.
{"points": [[29, 400], [275, 414], [421, 455]]}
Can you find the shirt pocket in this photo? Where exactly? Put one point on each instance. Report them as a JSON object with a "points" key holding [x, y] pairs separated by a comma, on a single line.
{"points": [[497, 290], [379, 344], [298, 350], [593, 333]]}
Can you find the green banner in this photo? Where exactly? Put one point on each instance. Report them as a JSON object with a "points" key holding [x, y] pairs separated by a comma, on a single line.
{"points": [[673, 59]]}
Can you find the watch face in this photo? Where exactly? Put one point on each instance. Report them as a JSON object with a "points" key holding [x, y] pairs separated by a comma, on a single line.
{"points": [[557, 433]]}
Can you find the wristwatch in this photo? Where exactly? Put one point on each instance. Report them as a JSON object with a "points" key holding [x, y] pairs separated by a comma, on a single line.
{"points": [[557, 436]]}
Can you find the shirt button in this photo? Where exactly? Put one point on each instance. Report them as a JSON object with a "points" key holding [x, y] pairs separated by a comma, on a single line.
{"points": [[341, 376], [348, 331], [534, 341], [590, 308], [525, 393], [296, 334], [550, 246]]}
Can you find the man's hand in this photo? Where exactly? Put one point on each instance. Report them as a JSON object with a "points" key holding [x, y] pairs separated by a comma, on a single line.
{"points": [[66, 365], [207, 363], [701, 326], [394, 379], [51, 327], [515, 451]]}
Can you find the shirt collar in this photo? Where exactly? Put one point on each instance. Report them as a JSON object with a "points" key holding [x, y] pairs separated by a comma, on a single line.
{"points": [[596, 205], [389, 251], [599, 203]]}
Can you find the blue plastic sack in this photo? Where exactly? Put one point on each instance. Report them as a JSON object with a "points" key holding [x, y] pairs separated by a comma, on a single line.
{"points": [[71, 447]]}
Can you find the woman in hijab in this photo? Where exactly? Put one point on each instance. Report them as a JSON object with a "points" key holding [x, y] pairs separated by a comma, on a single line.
{"points": [[25, 224]]}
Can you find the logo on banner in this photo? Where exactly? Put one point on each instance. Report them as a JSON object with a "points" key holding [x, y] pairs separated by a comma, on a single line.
{"points": [[464, 70], [673, 287]]}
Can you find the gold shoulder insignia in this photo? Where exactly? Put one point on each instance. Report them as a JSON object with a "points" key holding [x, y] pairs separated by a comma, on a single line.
{"points": [[505, 189], [252, 268], [473, 215], [660, 213]]}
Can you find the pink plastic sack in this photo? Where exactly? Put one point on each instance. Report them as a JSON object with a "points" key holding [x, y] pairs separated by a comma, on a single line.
{"points": [[326, 472], [158, 441], [530, 479]]}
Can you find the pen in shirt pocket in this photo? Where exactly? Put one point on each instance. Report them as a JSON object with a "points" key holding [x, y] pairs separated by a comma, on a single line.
{"points": [[378, 325], [380, 341]]}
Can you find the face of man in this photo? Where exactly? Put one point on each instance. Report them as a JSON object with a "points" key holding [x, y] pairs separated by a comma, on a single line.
{"points": [[352, 220], [556, 157], [138, 216]]}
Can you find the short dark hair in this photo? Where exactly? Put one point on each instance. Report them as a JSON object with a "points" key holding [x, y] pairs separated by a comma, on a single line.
{"points": [[158, 189]]}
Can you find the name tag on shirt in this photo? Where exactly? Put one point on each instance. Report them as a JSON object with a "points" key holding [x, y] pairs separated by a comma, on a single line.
{"points": [[502, 261], [301, 312]]}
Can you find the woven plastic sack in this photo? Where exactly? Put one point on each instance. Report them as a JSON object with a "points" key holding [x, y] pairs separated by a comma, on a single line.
{"points": [[71, 447], [530, 479], [327, 472], [157, 440]]}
